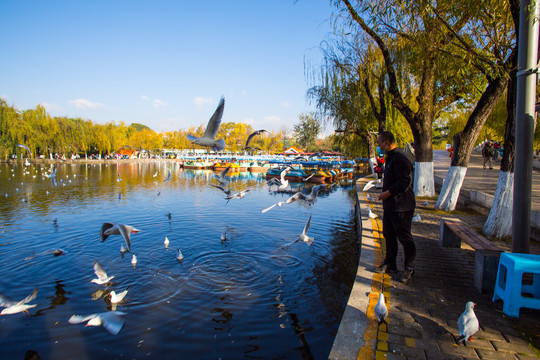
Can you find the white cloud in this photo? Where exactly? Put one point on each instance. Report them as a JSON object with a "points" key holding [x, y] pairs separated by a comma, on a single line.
{"points": [[52, 107], [85, 104], [286, 104], [200, 101], [158, 103]]}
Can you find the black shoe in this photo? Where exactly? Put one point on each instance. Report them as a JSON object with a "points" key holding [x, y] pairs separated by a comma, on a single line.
{"points": [[407, 276], [386, 268]]}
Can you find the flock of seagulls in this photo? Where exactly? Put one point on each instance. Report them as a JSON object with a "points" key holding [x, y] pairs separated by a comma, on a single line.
{"points": [[468, 324]]}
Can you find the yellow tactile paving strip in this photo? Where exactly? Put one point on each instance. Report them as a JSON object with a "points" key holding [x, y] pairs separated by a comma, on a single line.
{"points": [[374, 333]]}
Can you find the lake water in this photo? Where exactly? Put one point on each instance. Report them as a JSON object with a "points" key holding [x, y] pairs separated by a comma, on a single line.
{"points": [[258, 295]]}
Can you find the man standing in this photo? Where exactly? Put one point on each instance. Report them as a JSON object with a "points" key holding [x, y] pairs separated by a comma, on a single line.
{"points": [[487, 153], [398, 205]]}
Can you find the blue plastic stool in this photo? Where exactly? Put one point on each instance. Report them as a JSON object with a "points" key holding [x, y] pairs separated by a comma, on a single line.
{"points": [[509, 287]]}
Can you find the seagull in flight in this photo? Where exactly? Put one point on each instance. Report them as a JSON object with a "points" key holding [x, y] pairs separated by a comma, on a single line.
{"points": [[110, 320], [303, 236], [209, 137], [221, 178], [226, 191], [168, 176], [25, 147], [102, 277], [239, 195], [108, 229], [13, 307], [369, 185], [253, 134]]}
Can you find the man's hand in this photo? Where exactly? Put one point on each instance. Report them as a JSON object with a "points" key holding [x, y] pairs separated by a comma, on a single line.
{"points": [[384, 195]]}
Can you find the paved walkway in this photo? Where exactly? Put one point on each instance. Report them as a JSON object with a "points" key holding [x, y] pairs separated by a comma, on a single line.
{"points": [[423, 315], [479, 179]]}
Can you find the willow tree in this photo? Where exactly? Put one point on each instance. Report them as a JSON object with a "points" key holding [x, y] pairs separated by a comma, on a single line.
{"points": [[407, 29], [488, 43], [351, 89]]}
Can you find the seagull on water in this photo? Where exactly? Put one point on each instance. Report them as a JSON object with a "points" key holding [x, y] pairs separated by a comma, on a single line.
{"points": [[381, 311], [116, 298], [108, 229], [209, 137], [133, 260], [303, 236], [110, 320], [467, 324], [13, 307], [166, 242], [180, 256], [102, 277]]}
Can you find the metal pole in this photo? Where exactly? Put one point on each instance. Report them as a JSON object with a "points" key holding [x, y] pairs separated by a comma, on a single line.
{"points": [[525, 118]]}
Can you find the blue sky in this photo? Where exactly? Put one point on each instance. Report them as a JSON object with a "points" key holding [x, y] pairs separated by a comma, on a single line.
{"points": [[162, 63]]}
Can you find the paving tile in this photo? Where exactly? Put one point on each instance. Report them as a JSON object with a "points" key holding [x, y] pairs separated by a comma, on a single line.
{"points": [[495, 355], [452, 348], [516, 347]]}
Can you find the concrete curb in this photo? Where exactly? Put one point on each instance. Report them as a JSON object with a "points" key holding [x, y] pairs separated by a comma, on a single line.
{"points": [[355, 336]]}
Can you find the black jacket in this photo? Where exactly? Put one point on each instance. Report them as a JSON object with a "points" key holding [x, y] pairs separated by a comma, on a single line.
{"points": [[398, 179]]}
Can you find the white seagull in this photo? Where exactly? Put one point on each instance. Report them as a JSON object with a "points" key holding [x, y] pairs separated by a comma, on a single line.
{"points": [[102, 277], [369, 185], [303, 236], [239, 195], [180, 256], [381, 311], [155, 174], [116, 298], [133, 260], [371, 214], [221, 178], [369, 198], [467, 324], [13, 307], [209, 137], [416, 218], [166, 242], [110, 320], [108, 229]]}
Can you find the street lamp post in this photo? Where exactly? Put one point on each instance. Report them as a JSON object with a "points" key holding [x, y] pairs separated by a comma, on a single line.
{"points": [[525, 116]]}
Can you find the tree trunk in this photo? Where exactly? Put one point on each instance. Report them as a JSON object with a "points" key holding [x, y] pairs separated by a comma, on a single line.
{"points": [[371, 144], [499, 221], [464, 142]]}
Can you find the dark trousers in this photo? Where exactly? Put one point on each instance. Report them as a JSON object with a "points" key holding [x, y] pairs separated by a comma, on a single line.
{"points": [[397, 226]]}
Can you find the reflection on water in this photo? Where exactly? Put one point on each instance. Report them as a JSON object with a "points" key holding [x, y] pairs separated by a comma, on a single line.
{"points": [[259, 293]]}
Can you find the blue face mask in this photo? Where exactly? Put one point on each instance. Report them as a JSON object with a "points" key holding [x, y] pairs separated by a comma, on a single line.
{"points": [[380, 151]]}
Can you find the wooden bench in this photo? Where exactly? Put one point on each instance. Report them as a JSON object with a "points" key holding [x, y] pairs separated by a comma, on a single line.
{"points": [[486, 263]]}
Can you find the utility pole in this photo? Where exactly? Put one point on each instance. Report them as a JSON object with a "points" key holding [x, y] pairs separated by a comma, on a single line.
{"points": [[525, 119]]}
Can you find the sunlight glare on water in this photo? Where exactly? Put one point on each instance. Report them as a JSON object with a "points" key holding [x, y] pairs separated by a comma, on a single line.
{"points": [[258, 294]]}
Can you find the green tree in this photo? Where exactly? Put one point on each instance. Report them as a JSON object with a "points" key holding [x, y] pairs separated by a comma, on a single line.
{"points": [[307, 130]]}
